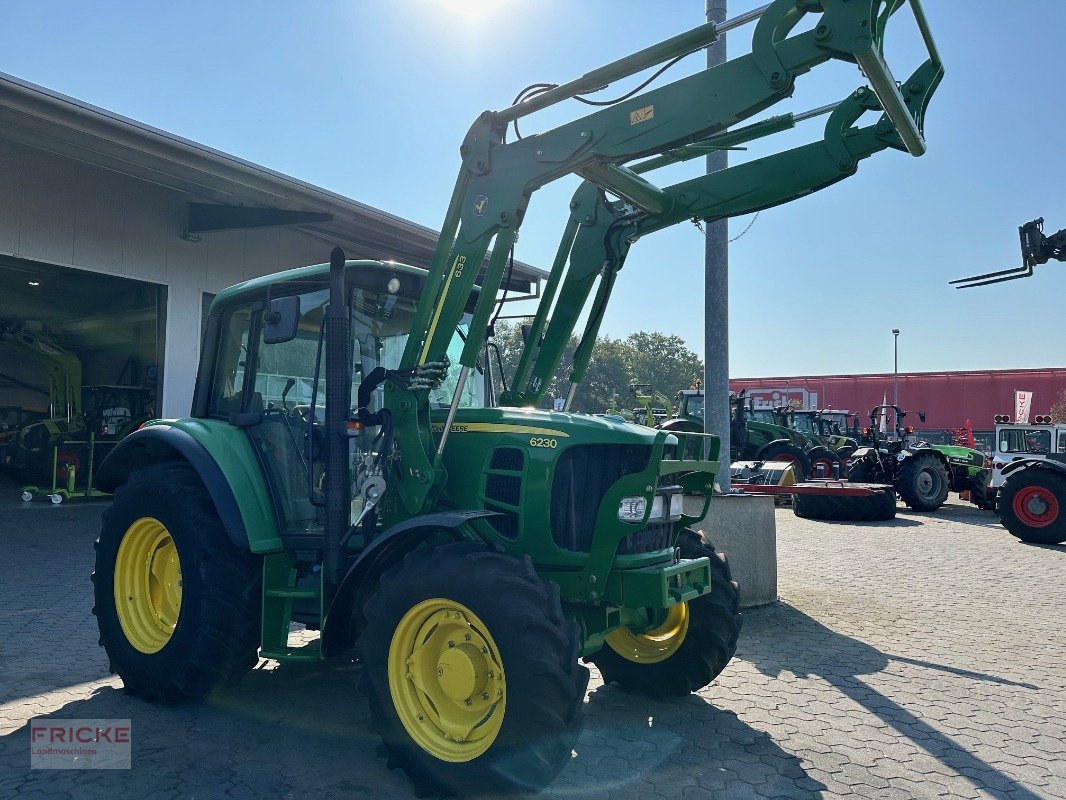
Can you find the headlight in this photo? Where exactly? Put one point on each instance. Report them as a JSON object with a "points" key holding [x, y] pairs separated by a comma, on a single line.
{"points": [[666, 506], [632, 509], [677, 505], [657, 507]]}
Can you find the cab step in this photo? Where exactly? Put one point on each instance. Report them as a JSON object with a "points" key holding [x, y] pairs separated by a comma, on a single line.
{"points": [[279, 593]]}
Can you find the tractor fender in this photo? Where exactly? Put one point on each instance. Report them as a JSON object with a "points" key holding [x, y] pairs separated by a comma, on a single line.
{"points": [[160, 442], [864, 452], [772, 442], [338, 629], [1033, 463], [904, 454]]}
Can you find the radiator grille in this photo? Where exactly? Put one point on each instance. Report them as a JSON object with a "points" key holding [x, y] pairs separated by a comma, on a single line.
{"points": [[583, 475]]}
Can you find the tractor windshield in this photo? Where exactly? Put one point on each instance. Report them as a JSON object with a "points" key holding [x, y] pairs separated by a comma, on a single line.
{"points": [[694, 405], [285, 372]]}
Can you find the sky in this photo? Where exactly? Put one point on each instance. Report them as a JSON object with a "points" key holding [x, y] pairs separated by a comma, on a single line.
{"points": [[371, 99]]}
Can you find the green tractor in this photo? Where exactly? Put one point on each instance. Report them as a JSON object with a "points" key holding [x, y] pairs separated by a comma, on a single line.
{"points": [[653, 408], [342, 469], [829, 447], [751, 438], [922, 474]]}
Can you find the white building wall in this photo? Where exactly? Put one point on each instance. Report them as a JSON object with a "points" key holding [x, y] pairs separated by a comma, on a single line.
{"points": [[65, 212]]}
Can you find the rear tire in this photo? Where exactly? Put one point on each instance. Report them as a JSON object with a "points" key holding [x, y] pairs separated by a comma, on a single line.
{"points": [[845, 508], [211, 635], [518, 619], [709, 643], [923, 482], [783, 451], [1031, 506], [826, 459]]}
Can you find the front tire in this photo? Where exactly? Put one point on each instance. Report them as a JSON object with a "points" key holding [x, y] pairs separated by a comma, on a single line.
{"points": [[982, 494], [177, 604], [1031, 505], [691, 648], [471, 671], [923, 482]]}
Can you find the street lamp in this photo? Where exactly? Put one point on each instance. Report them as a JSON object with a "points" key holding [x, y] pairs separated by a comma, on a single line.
{"points": [[895, 366]]}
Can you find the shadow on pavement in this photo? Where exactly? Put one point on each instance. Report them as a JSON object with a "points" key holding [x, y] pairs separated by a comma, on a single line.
{"points": [[304, 730], [783, 639]]}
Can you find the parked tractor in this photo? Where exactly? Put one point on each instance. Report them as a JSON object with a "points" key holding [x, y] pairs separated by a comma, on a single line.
{"points": [[1032, 500], [751, 439], [654, 408], [471, 555], [1017, 441], [826, 449], [923, 474]]}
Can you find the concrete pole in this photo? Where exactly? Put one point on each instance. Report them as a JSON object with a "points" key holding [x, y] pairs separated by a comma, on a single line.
{"points": [[895, 366], [716, 291]]}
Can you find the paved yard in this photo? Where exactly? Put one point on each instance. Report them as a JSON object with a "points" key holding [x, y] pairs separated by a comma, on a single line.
{"points": [[919, 658]]}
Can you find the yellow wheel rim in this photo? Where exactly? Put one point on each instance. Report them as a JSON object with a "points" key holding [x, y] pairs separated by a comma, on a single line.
{"points": [[147, 585], [656, 645], [446, 679]]}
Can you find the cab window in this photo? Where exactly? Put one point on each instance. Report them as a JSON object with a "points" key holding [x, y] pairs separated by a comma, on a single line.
{"points": [[1022, 440]]}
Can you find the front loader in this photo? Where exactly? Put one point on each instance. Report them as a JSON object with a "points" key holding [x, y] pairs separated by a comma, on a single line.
{"points": [[470, 554]]}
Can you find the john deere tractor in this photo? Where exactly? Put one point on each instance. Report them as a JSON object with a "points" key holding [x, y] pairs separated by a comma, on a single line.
{"points": [[342, 470], [923, 474]]}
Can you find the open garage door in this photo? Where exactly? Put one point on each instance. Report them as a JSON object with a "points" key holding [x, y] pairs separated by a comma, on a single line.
{"points": [[80, 360]]}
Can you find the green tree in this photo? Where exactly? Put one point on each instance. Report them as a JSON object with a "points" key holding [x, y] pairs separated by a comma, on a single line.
{"points": [[662, 360], [648, 357]]}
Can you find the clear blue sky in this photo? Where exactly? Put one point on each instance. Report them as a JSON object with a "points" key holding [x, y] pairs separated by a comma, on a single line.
{"points": [[371, 98]]}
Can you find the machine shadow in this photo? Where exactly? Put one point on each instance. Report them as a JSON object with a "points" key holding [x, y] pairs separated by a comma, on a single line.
{"points": [[305, 730], [780, 638], [686, 743]]}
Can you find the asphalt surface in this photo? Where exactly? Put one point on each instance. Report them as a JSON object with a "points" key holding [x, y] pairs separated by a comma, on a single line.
{"points": [[917, 658]]}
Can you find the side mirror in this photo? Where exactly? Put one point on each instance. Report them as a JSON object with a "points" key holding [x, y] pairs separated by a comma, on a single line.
{"points": [[526, 330], [281, 319], [921, 416]]}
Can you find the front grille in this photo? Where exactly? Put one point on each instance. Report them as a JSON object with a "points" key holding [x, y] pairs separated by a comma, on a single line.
{"points": [[583, 474], [657, 536]]}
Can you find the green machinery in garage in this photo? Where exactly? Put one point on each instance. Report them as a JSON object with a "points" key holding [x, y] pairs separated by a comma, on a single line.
{"points": [[472, 555]]}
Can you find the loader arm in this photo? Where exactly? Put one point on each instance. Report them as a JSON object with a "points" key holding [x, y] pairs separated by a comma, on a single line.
{"points": [[498, 178], [601, 232]]}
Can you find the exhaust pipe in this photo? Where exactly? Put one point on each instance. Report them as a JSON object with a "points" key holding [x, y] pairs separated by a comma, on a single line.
{"points": [[338, 409]]}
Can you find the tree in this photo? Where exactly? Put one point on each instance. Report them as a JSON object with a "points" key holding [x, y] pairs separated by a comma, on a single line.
{"points": [[663, 360], [1058, 409]]}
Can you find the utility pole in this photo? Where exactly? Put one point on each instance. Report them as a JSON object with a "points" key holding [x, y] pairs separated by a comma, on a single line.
{"points": [[716, 291], [895, 366]]}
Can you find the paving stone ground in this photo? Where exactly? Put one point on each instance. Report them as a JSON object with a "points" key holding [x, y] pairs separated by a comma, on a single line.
{"points": [[917, 658]]}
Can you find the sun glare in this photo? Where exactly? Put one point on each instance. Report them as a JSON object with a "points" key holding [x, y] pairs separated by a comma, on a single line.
{"points": [[470, 10]]}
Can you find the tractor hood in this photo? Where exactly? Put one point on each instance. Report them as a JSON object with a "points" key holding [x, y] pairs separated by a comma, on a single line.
{"points": [[524, 423]]}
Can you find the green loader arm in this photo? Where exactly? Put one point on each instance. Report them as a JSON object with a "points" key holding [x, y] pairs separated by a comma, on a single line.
{"points": [[498, 178], [601, 232]]}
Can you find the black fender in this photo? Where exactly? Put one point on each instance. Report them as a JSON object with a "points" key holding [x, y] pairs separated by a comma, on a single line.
{"points": [[1034, 463], [158, 443], [772, 442], [338, 629]]}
